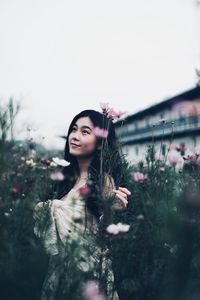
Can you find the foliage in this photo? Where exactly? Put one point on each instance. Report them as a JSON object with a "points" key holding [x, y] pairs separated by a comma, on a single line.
{"points": [[155, 259]]}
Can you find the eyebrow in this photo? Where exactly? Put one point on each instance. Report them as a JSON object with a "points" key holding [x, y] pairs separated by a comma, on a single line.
{"points": [[84, 127]]}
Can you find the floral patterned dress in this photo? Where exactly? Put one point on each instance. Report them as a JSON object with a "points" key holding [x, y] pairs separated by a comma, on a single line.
{"points": [[70, 228]]}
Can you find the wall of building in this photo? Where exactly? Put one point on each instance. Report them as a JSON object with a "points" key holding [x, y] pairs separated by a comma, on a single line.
{"points": [[137, 152], [160, 123]]}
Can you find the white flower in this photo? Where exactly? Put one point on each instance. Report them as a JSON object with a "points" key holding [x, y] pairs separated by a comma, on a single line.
{"points": [[53, 164], [123, 227], [60, 162], [140, 217], [112, 229], [117, 228], [30, 162]]}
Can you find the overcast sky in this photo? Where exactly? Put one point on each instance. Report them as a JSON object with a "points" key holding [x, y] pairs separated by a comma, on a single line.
{"points": [[59, 57]]}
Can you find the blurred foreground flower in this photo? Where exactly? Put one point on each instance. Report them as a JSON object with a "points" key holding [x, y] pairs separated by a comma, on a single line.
{"points": [[191, 157], [188, 108], [117, 228], [92, 291], [174, 159], [17, 189], [57, 176], [84, 191], [115, 115], [178, 147], [99, 132], [138, 176], [19, 174], [110, 112], [60, 162], [104, 106]]}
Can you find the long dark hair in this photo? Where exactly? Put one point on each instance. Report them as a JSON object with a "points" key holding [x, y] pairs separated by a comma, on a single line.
{"points": [[108, 159]]}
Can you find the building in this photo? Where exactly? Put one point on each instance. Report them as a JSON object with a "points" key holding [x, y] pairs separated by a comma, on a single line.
{"points": [[174, 121]]}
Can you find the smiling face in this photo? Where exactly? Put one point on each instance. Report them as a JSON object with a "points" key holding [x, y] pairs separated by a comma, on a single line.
{"points": [[82, 140]]}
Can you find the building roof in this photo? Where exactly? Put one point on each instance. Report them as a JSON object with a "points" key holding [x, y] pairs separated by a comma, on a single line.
{"points": [[188, 95]]}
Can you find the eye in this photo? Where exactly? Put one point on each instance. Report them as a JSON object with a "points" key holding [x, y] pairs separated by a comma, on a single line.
{"points": [[73, 128], [85, 131]]}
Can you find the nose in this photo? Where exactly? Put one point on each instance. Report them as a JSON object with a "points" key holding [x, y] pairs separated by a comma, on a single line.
{"points": [[75, 135]]}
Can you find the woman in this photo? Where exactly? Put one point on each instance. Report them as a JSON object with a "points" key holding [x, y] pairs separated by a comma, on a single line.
{"points": [[95, 170]]}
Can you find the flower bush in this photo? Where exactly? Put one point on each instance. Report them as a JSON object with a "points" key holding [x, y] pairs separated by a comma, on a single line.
{"points": [[153, 245]]}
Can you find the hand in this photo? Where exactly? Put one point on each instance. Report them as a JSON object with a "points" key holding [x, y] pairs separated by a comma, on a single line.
{"points": [[122, 193]]}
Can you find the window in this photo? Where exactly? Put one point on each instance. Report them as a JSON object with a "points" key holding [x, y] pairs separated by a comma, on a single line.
{"points": [[136, 150], [163, 150]]}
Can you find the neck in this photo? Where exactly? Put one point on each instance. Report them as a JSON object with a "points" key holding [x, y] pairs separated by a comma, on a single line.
{"points": [[84, 164]]}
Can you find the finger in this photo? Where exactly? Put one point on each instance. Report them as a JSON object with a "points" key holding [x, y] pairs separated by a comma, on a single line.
{"points": [[124, 201], [124, 195], [125, 190], [121, 195]]}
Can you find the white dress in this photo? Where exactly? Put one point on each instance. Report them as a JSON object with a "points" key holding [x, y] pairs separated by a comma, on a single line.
{"points": [[64, 223]]}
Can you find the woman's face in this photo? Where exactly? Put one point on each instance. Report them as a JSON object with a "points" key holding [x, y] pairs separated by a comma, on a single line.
{"points": [[82, 140]]}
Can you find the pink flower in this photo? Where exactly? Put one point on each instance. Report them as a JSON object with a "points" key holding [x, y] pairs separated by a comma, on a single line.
{"points": [[17, 189], [139, 177], [19, 174], [162, 169], [196, 150], [178, 147], [188, 108], [104, 106], [114, 115], [99, 132], [110, 112], [191, 157], [84, 191], [92, 291], [173, 160], [57, 176]]}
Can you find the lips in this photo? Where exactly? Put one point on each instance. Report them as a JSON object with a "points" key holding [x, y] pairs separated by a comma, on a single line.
{"points": [[74, 145]]}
